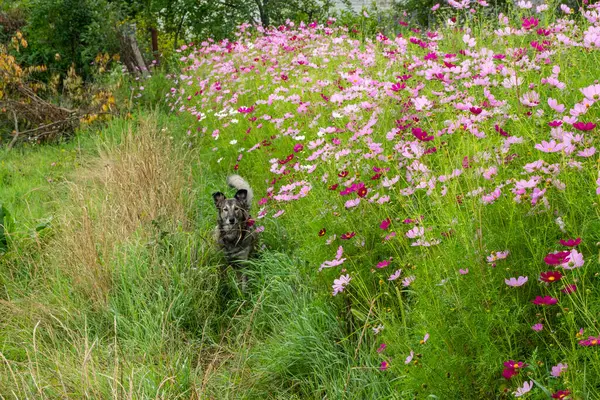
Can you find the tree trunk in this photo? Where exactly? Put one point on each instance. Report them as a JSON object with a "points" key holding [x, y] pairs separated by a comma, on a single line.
{"points": [[263, 10], [154, 35], [130, 52]]}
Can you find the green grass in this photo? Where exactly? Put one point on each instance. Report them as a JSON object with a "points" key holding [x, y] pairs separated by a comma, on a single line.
{"points": [[168, 322]]}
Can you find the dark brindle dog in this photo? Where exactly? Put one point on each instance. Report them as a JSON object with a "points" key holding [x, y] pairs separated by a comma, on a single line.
{"points": [[235, 232]]}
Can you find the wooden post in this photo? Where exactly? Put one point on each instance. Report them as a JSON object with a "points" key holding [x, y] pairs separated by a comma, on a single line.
{"points": [[130, 52]]}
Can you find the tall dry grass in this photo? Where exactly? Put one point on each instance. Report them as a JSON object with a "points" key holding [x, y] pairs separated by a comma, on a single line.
{"points": [[133, 183]]}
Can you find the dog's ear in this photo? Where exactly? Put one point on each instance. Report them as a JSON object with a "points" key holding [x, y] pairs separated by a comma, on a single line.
{"points": [[218, 197], [242, 197]]}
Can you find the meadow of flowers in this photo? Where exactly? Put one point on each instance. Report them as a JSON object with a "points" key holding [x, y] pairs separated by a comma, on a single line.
{"points": [[440, 186]]}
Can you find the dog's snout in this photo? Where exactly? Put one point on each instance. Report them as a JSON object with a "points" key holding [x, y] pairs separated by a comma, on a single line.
{"points": [[231, 220]]}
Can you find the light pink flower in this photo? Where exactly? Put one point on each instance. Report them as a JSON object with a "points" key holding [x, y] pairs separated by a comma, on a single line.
{"points": [[537, 327], [340, 284], [558, 369], [526, 388], [352, 203], [592, 92], [559, 108], [395, 275], [574, 260], [590, 151], [515, 282], [415, 232], [550, 147], [408, 280], [409, 358]]}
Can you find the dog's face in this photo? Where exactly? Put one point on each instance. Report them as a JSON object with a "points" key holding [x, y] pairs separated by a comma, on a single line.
{"points": [[232, 212]]}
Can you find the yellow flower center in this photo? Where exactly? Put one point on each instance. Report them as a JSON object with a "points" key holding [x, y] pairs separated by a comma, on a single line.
{"points": [[551, 278]]}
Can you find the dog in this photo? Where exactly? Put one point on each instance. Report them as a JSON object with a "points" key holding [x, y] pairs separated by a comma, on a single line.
{"points": [[235, 233]]}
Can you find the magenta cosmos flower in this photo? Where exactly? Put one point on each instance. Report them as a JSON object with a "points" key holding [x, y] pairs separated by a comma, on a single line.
{"points": [[348, 235], [512, 368], [590, 341], [557, 258], [561, 394], [584, 126], [550, 276], [544, 301], [530, 23], [569, 288], [421, 135], [570, 242], [246, 110], [537, 327], [385, 224]]}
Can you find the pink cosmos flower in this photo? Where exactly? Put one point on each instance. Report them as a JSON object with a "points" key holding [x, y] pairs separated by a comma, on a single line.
{"points": [[408, 280], [491, 197], [390, 236], [278, 213], [417, 231], [558, 369], [544, 301], [335, 262], [409, 358], [526, 388], [383, 264], [381, 347], [384, 365], [463, 271], [537, 327], [498, 255], [549, 147], [573, 260], [352, 203], [592, 93], [425, 339], [530, 99], [434, 8], [590, 151], [395, 275], [340, 284], [516, 282], [553, 103]]}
